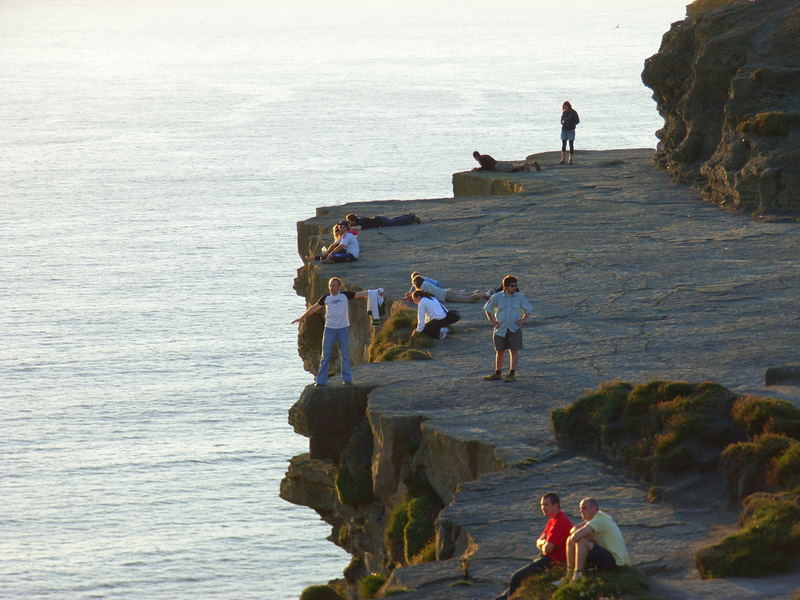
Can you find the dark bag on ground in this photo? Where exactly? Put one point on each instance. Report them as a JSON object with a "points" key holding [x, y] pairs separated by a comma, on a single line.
{"points": [[452, 316]]}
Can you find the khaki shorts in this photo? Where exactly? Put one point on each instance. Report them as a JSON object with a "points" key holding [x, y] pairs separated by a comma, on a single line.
{"points": [[511, 341], [504, 166]]}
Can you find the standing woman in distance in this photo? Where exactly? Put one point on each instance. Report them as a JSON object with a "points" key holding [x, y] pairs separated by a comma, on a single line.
{"points": [[569, 119]]}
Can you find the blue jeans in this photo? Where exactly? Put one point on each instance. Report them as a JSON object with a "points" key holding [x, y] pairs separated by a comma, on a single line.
{"points": [[394, 221], [330, 337], [537, 566]]}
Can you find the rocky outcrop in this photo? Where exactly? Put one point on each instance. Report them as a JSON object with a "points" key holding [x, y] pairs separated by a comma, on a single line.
{"points": [[727, 82], [631, 277]]}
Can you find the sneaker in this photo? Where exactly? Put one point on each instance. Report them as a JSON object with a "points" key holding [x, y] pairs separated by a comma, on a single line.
{"points": [[320, 385], [578, 575], [347, 383], [510, 377], [492, 377], [564, 580], [443, 333]]}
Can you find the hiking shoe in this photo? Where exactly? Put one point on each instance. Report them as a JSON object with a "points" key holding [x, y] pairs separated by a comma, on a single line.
{"points": [[510, 377], [443, 333], [578, 575], [320, 385], [492, 377]]}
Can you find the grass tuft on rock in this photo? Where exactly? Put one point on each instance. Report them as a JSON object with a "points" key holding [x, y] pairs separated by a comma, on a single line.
{"points": [[699, 7], [657, 427], [354, 476], [768, 462], [320, 592], [768, 543], [410, 534], [766, 415], [622, 582], [370, 585], [393, 341], [769, 124]]}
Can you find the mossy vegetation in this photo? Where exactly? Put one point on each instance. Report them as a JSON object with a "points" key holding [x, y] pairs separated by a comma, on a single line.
{"points": [[662, 429], [369, 586], [393, 341], [320, 592], [354, 476], [409, 537], [769, 541], [624, 582], [769, 124]]}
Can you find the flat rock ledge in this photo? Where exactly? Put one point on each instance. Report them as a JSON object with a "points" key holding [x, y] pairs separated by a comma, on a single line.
{"points": [[632, 277]]}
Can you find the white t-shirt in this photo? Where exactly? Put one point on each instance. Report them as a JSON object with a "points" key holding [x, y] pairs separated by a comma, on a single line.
{"points": [[428, 309], [350, 244], [337, 309]]}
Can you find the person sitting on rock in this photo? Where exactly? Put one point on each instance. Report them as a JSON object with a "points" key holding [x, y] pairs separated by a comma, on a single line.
{"points": [[432, 316], [487, 163], [552, 543], [445, 295], [595, 542], [344, 248], [358, 223]]}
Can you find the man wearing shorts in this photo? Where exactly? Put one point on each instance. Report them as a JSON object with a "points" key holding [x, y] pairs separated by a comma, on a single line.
{"points": [[596, 543], [507, 311]]}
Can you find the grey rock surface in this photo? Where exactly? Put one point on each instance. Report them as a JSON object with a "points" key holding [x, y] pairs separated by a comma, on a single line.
{"points": [[631, 277]]}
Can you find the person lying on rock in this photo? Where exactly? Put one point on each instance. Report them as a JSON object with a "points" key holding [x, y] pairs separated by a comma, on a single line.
{"points": [[344, 248], [432, 316], [487, 163], [596, 542], [552, 543], [445, 295], [358, 223], [507, 311]]}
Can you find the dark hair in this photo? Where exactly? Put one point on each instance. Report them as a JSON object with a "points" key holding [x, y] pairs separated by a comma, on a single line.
{"points": [[552, 498], [507, 280], [351, 217], [418, 281], [418, 293], [476, 154], [566, 105]]}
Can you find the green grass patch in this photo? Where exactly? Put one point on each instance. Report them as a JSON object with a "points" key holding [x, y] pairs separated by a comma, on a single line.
{"points": [[768, 543], [320, 592], [354, 476], [767, 462], [660, 427], [393, 341], [623, 582], [769, 124], [370, 585], [409, 537], [766, 415]]}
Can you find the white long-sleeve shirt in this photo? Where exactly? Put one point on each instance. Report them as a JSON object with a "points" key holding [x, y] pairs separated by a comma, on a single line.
{"points": [[427, 310]]}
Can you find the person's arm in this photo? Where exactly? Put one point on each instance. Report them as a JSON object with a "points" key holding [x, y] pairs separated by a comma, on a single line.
{"points": [[364, 294], [526, 311], [578, 533], [491, 318], [420, 316], [311, 310]]}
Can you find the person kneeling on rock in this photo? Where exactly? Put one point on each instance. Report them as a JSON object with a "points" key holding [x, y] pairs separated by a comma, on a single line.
{"points": [[552, 543], [432, 316]]}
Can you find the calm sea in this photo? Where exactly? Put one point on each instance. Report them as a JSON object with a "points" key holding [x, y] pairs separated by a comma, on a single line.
{"points": [[154, 157]]}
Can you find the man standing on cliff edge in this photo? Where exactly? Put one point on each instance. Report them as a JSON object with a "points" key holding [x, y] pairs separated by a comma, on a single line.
{"points": [[551, 543], [507, 311], [337, 328]]}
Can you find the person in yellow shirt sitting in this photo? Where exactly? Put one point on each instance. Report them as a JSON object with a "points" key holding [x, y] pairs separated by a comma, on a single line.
{"points": [[595, 542]]}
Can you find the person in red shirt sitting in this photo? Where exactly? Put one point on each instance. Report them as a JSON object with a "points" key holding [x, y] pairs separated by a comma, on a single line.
{"points": [[552, 543]]}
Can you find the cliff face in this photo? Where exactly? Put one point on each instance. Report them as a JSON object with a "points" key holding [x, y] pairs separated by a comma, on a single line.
{"points": [[727, 82]]}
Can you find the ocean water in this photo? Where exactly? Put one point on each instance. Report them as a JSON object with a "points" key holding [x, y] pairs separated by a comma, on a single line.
{"points": [[154, 158]]}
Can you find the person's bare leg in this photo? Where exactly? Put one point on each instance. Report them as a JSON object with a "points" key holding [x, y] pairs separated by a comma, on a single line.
{"points": [[583, 547], [499, 359], [513, 360], [452, 296]]}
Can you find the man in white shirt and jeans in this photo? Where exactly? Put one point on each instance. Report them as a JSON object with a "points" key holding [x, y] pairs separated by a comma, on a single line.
{"points": [[337, 328]]}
